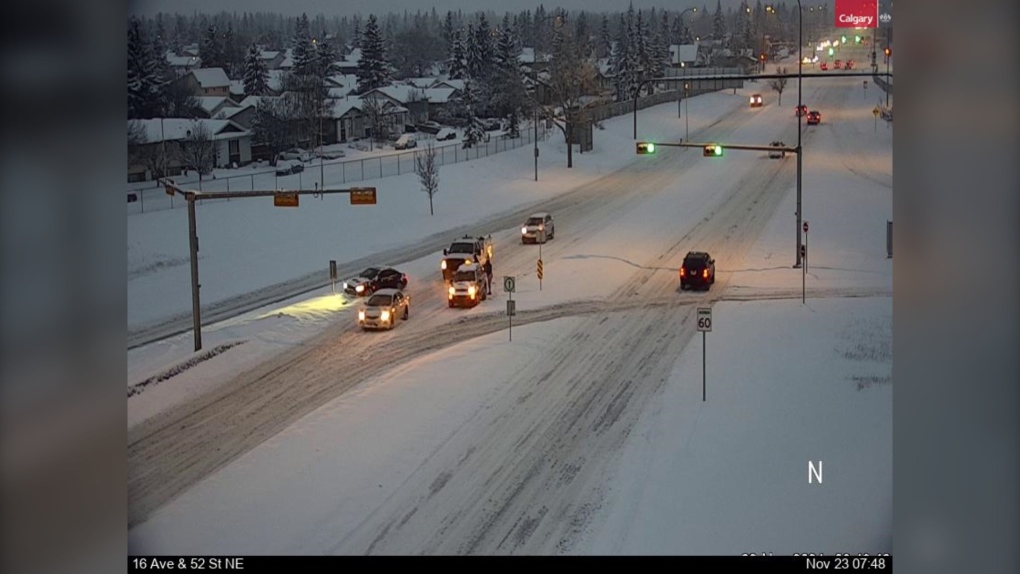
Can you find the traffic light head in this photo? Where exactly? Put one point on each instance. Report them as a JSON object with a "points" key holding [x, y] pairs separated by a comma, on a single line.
{"points": [[843, 39], [831, 52], [645, 148], [712, 150], [857, 39]]}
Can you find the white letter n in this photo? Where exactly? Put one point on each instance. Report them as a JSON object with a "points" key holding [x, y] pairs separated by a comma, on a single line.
{"points": [[816, 472]]}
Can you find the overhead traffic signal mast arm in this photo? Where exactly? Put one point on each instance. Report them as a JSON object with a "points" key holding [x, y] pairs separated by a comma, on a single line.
{"points": [[723, 146]]}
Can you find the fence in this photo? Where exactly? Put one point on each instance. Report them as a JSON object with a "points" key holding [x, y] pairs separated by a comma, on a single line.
{"points": [[675, 89], [336, 171]]}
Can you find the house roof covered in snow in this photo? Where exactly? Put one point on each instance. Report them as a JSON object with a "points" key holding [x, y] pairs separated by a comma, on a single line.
{"points": [[176, 61], [236, 88], [212, 104], [456, 84], [211, 77], [683, 53], [174, 129]]}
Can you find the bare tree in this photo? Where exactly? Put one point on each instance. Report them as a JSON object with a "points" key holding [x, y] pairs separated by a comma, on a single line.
{"points": [[428, 172], [199, 151], [373, 110], [779, 84], [571, 78]]}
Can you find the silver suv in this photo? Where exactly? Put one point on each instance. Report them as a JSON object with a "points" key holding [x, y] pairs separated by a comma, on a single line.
{"points": [[539, 228]]}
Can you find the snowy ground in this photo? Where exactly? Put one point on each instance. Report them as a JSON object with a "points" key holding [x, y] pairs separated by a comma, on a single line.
{"points": [[586, 433]]}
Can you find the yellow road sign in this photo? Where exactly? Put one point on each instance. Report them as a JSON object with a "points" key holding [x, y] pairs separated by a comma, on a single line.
{"points": [[539, 268], [285, 199], [876, 111]]}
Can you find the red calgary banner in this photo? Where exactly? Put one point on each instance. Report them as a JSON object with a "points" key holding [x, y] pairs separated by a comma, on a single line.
{"points": [[856, 13]]}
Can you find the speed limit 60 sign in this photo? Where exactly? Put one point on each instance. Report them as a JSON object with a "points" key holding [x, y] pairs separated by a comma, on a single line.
{"points": [[704, 318]]}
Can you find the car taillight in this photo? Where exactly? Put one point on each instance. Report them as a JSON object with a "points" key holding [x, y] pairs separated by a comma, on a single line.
{"points": [[705, 274], [683, 272]]}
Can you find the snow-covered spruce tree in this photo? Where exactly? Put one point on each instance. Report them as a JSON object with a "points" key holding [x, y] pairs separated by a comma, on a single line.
{"points": [[211, 48], [373, 69], [718, 22], [457, 64], [605, 42], [139, 73], [303, 51], [256, 76]]}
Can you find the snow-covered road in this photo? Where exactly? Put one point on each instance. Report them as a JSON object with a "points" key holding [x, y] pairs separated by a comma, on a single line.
{"points": [[515, 454]]}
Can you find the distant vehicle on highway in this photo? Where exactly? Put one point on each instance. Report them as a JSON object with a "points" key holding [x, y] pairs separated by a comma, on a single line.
{"points": [[814, 117], [824, 67], [756, 101], [698, 270], [838, 64], [384, 309], [801, 110]]}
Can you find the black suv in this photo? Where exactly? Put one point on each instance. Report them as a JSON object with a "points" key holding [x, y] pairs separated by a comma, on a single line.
{"points": [[698, 270]]}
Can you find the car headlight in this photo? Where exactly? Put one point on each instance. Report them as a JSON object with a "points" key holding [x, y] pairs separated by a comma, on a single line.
{"points": [[385, 315], [524, 230], [471, 291], [452, 291], [361, 315], [443, 265], [359, 288], [345, 285]]}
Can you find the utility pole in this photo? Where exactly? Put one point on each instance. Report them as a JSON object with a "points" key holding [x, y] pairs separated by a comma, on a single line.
{"points": [[196, 309], [536, 143], [800, 119]]}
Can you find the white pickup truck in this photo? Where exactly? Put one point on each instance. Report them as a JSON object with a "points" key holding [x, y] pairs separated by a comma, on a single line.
{"points": [[465, 250]]}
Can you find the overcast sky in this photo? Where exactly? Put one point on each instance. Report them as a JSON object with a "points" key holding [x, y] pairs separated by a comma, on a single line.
{"points": [[365, 7]]}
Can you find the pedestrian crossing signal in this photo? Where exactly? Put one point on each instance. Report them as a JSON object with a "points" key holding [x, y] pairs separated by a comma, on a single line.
{"points": [[713, 150], [645, 148]]}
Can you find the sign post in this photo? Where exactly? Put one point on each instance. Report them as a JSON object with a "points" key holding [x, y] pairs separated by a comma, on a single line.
{"points": [[803, 270], [509, 285], [875, 113], [704, 325]]}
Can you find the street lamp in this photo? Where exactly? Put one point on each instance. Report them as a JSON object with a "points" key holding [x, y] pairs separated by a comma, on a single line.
{"points": [[682, 65]]}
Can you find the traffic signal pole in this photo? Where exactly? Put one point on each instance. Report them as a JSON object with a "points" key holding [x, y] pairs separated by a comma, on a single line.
{"points": [[192, 196]]}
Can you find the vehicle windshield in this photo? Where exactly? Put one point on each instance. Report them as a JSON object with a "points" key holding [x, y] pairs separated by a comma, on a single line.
{"points": [[462, 248], [378, 300], [369, 273], [464, 276], [534, 221]]}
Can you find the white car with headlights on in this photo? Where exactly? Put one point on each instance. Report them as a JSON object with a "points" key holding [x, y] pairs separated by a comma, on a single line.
{"points": [[383, 309], [539, 228]]}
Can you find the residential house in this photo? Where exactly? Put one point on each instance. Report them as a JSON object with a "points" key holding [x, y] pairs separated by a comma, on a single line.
{"points": [[604, 76], [397, 102], [272, 58], [287, 63], [341, 86], [169, 135], [243, 116], [211, 105], [181, 65], [684, 55], [451, 84], [208, 82], [350, 122], [236, 90]]}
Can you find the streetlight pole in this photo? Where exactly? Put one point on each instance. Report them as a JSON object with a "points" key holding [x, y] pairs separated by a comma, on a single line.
{"points": [[800, 102], [682, 66]]}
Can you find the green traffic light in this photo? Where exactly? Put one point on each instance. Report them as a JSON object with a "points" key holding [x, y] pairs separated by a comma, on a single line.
{"points": [[857, 39], [651, 148], [844, 39], [830, 51], [718, 150]]}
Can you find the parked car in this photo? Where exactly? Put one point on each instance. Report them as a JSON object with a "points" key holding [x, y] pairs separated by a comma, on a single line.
{"points": [[539, 228], [373, 279], [446, 134], [429, 127], [698, 270], [332, 154], [801, 110], [491, 124], [814, 117], [295, 153], [406, 141], [384, 309], [756, 101], [824, 67], [777, 153], [289, 166]]}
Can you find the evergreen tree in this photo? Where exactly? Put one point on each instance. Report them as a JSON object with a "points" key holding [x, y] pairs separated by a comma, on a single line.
{"points": [[449, 31], [605, 43], [325, 59], [231, 56], [582, 35], [356, 36], [747, 40], [373, 69], [642, 50], [718, 22], [508, 89], [481, 68], [160, 74], [138, 68], [303, 51], [211, 49], [256, 76], [458, 57]]}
